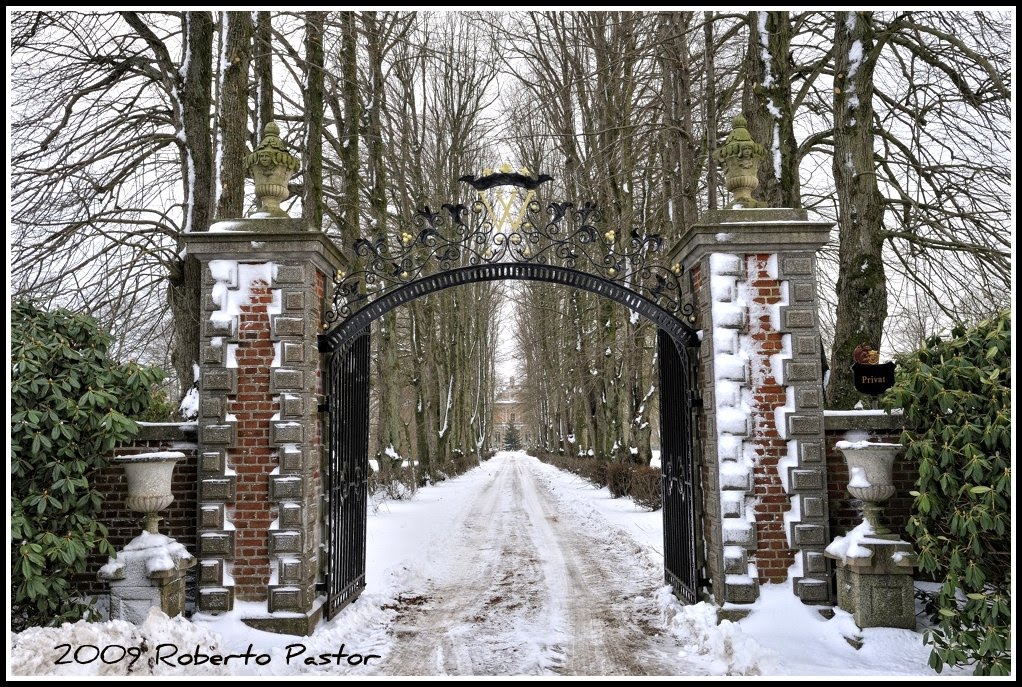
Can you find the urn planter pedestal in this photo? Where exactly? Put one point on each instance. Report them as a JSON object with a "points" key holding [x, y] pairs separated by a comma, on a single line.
{"points": [[874, 567]]}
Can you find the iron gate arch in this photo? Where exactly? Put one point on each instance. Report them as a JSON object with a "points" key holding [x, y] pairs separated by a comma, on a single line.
{"points": [[353, 325], [347, 348]]}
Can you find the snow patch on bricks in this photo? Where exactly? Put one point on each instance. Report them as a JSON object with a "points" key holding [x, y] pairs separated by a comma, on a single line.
{"points": [[232, 288], [732, 354]]}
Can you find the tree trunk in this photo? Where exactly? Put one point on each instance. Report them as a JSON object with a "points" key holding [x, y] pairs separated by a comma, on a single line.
{"points": [[312, 188], [768, 109], [263, 74], [710, 105], [679, 150], [861, 284], [388, 427], [197, 172], [350, 128], [232, 114]]}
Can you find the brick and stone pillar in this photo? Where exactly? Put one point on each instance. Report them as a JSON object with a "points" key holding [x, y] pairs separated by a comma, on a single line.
{"points": [[260, 483], [754, 286]]}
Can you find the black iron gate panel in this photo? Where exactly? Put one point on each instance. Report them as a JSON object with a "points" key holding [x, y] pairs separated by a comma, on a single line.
{"points": [[678, 398], [347, 472]]}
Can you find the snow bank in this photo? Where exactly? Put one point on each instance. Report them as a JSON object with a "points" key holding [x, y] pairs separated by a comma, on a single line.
{"points": [[806, 643], [38, 651], [730, 650]]}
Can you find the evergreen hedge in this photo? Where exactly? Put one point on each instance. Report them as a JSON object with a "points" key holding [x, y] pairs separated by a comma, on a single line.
{"points": [[71, 403], [957, 392]]}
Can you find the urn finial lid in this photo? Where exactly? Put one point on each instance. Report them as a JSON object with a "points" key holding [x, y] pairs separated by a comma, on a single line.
{"points": [[271, 151], [739, 143]]}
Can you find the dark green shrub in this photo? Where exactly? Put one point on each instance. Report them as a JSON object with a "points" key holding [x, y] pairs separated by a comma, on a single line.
{"points": [[70, 404], [956, 396], [161, 408]]}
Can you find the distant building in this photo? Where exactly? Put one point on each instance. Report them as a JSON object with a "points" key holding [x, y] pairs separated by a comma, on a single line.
{"points": [[510, 407]]}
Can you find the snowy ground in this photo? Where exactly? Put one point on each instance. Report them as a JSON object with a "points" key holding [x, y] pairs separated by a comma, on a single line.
{"points": [[513, 568]]}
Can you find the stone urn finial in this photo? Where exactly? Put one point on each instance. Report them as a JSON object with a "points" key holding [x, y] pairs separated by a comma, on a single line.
{"points": [[740, 156], [271, 167]]}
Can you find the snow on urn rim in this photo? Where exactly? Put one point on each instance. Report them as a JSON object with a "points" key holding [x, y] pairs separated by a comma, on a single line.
{"points": [[154, 457], [860, 445]]}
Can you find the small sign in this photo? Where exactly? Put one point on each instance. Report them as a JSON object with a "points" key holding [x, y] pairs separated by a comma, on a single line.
{"points": [[872, 379]]}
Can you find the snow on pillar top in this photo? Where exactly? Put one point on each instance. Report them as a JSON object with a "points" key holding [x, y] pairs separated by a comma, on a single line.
{"points": [[271, 167], [741, 156]]}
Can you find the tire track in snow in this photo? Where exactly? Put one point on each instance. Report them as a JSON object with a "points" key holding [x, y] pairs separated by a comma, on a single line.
{"points": [[531, 588], [484, 613], [613, 622]]}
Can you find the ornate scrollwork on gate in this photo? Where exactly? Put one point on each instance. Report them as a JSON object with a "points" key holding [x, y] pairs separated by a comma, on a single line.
{"points": [[507, 229]]}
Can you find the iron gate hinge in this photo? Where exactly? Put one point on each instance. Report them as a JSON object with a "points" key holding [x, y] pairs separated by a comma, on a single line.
{"points": [[324, 405]]}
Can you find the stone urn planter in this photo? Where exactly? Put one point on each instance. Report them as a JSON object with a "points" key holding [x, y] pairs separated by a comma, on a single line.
{"points": [[271, 168], [149, 572], [874, 566], [871, 477], [149, 480]]}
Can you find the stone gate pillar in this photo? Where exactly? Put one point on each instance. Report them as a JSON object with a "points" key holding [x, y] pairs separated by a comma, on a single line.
{"points": [[753, 282], [260, 485]]}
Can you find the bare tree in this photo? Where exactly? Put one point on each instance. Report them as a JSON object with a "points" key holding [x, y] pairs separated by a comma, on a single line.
{"points": [[921, 188], [111, 133]]}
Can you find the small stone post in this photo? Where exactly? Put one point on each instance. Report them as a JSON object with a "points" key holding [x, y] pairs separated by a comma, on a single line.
{"points": [[753, 282], [264, 283]]}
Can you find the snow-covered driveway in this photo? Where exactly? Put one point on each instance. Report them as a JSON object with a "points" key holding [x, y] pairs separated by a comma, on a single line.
{"points": [[528, 588]]}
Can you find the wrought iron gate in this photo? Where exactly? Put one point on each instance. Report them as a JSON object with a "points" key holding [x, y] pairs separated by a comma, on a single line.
{"points": [[461, 244], [347, 472], [678, 399]]}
